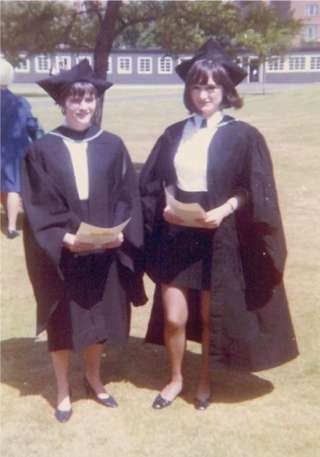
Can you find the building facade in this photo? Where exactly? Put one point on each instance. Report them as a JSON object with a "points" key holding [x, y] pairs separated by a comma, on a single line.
{"points": [[308, 11], [301, 65]]}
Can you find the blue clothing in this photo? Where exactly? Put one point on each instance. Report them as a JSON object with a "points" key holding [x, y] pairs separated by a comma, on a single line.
{"points": [[18, 129]]}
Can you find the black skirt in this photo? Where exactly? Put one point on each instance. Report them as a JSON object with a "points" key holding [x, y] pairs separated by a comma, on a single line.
{"points": [[87, 313], [185, 256]]}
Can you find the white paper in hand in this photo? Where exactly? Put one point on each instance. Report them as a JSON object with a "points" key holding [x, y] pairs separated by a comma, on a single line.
{"points": [[189, 213], [98, 236]]}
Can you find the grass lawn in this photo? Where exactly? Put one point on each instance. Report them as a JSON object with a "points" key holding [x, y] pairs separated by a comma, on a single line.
{"points": [[273, 413]]}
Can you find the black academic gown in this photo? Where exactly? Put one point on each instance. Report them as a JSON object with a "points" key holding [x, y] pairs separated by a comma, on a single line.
{"points": [[250, 323], [96, 288]]}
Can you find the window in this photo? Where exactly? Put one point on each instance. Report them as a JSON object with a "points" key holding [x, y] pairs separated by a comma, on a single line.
{"points": [[63, 63], [315, 63], [297, 63], [42, 64], [85, 56], [109, 65], [165, 65], [312, 9], [276, 64], [24, 66], [124, 65], [145, 65], [310, 32]]}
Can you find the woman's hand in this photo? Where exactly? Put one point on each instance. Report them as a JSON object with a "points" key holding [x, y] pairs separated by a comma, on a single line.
{"points": [[215, 216], [70, 243], [170, 217], [116, 243]]}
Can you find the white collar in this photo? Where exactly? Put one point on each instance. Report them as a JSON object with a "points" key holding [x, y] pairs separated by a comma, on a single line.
{"points": [[212, 121]]}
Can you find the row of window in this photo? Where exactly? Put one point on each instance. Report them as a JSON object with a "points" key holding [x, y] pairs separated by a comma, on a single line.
{"points": [[165, 64], [45, 64], [294, 63]]}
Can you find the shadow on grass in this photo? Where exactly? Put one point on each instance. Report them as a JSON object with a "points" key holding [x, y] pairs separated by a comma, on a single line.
{"points": [[26, 366]]}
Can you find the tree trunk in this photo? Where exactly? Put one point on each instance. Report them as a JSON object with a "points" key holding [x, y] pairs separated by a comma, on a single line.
{"points": [[263, 75], [103, 47]]}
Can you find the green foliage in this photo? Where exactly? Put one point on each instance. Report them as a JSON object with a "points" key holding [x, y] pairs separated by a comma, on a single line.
{"points": [[183, 26], [175, 26], [264, 31], [33, 27]]}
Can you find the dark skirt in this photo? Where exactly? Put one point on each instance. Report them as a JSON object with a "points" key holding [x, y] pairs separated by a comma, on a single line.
{"points": [[79, 319], [95, 306], [185, 256]]}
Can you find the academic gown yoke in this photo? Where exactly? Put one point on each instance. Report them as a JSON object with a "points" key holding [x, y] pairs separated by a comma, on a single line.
{"points": [[52, 208], [249, 317]]}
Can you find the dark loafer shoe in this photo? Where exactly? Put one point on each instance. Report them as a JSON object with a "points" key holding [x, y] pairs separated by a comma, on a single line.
{"points": [[11, 234], [62, 416], [160, 402], [201, 405], [108, 401]]}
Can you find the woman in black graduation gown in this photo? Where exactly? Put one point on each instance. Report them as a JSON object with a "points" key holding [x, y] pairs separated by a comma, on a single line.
{"points": [[219, 283], [79, 173]]}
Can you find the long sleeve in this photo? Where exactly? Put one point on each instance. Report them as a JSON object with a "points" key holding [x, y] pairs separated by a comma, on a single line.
{"points": [[127, 204], [261, 232], [151, 184], [46, 209]]}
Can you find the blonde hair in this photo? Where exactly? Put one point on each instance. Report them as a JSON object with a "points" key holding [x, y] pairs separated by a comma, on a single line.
{"points": [[6, 72]]}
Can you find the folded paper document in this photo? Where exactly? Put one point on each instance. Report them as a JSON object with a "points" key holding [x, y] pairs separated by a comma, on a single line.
{"points": [[98, 236], [189, 213]]}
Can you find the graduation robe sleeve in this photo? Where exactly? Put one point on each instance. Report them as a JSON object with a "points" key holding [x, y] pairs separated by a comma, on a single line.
{"points": [[130, 253], [262, 241], [47, 211]]}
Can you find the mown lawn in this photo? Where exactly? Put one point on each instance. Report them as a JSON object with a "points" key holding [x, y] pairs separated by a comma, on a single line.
{"points": [[269, 414]]}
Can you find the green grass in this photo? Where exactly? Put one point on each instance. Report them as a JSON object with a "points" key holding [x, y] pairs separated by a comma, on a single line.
{"points": [[271, 414]]}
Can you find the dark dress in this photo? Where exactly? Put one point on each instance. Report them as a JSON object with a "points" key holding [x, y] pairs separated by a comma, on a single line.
{"points": [[18, 128], [81, 299], [250, 325]]}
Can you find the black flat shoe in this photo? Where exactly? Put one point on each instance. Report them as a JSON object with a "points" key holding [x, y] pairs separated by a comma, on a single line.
{"points": [[62, 416], [201, 405], [160, 402], [11, 234], [110, 402]]}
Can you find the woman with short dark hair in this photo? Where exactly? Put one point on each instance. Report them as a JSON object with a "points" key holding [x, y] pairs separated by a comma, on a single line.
{"points": [[78, 173], [200, 72], [218, 276]]}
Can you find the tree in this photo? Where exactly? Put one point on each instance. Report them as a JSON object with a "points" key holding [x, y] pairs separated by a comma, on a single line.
{"points": [[43, 27], [265, 32], [174, 26]]}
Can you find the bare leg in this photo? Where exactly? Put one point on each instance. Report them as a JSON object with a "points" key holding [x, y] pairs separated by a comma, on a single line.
{"points": [[92, 360], [176, 315], [203, 390], [60, 361], [13, 208]]}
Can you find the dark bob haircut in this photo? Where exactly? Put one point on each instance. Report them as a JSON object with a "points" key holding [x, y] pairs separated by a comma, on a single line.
{"points": [[200, 73], [77, 90]]}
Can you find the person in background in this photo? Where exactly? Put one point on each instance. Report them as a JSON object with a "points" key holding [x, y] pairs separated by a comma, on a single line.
{"points": [[79, 173], [218, 282], [18, 128]]}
